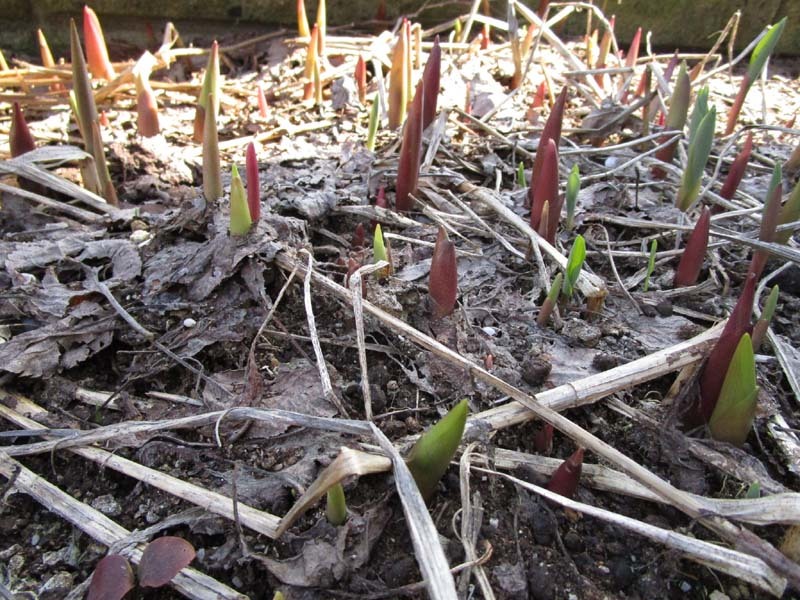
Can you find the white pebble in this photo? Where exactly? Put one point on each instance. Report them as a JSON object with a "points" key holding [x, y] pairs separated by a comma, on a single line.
{"points": [[140, 236], [189, 323]]}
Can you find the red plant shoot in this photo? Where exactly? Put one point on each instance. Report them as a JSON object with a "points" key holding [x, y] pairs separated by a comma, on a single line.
{"points": [[564, 480], [253, 185], [361, 79], [485, 37], [431, 75], [443, 281], [359, 236], [262, 102], [96, 51], [543, 439], [633, 52], [552, 130], [538, 99], [545, 189], [20, 139], [736, 171], [146, 108], [713, 374], [311, 63], [694, 253], [352, 267], [410, 153]]}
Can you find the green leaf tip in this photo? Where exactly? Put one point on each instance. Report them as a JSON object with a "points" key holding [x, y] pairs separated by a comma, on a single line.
{"points": [[240, 213], [763, 50], [571, 196], [651, 264], [372, 132], [577, 255], [378, 247], [336, 506], [700, 142], [733, 414], [432, 453]]}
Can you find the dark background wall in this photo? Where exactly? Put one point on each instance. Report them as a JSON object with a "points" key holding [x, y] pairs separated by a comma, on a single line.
{"points": [[684, 24]]}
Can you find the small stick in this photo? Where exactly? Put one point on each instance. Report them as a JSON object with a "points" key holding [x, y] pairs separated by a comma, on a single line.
{"points": [[325, 378]]}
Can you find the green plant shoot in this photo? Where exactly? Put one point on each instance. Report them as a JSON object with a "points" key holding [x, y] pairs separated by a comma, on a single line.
{"points": [[212, 179], [758, 58], [761, 326], [577, 255], [789, 213], [550, 302], [240, 213], [733, 414], [771, 304], [753, 491], [521, 183], [372, 132], [651, 264], [336, 506], [378, 247], [699, 150], [764, 49], [431, 455], [571, 196], [699, 111]]}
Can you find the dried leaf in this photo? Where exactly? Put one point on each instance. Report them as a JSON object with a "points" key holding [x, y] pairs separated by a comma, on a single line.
{"points": [[112, 579], [162, 559]]}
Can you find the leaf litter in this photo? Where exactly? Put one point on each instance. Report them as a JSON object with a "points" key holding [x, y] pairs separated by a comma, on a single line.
{"points": [[167, 257]]}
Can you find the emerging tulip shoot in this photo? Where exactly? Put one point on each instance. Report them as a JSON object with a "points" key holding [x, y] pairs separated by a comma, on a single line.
{"points": [[240, 213], [410, 153], [336, 506], [208, 101], [20, 139], [758, 59], [694, 253], [96, 51], [443, 281], [566, 477], [733, 414], [212, 170], [431, 455]]}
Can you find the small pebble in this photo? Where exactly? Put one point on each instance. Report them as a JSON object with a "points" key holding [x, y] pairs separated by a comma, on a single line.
{"points": [[189, 323], [535, 370], [57, 586], [107, 505], [140, 236], [664, 308], [573, 542], [622, 575]]}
